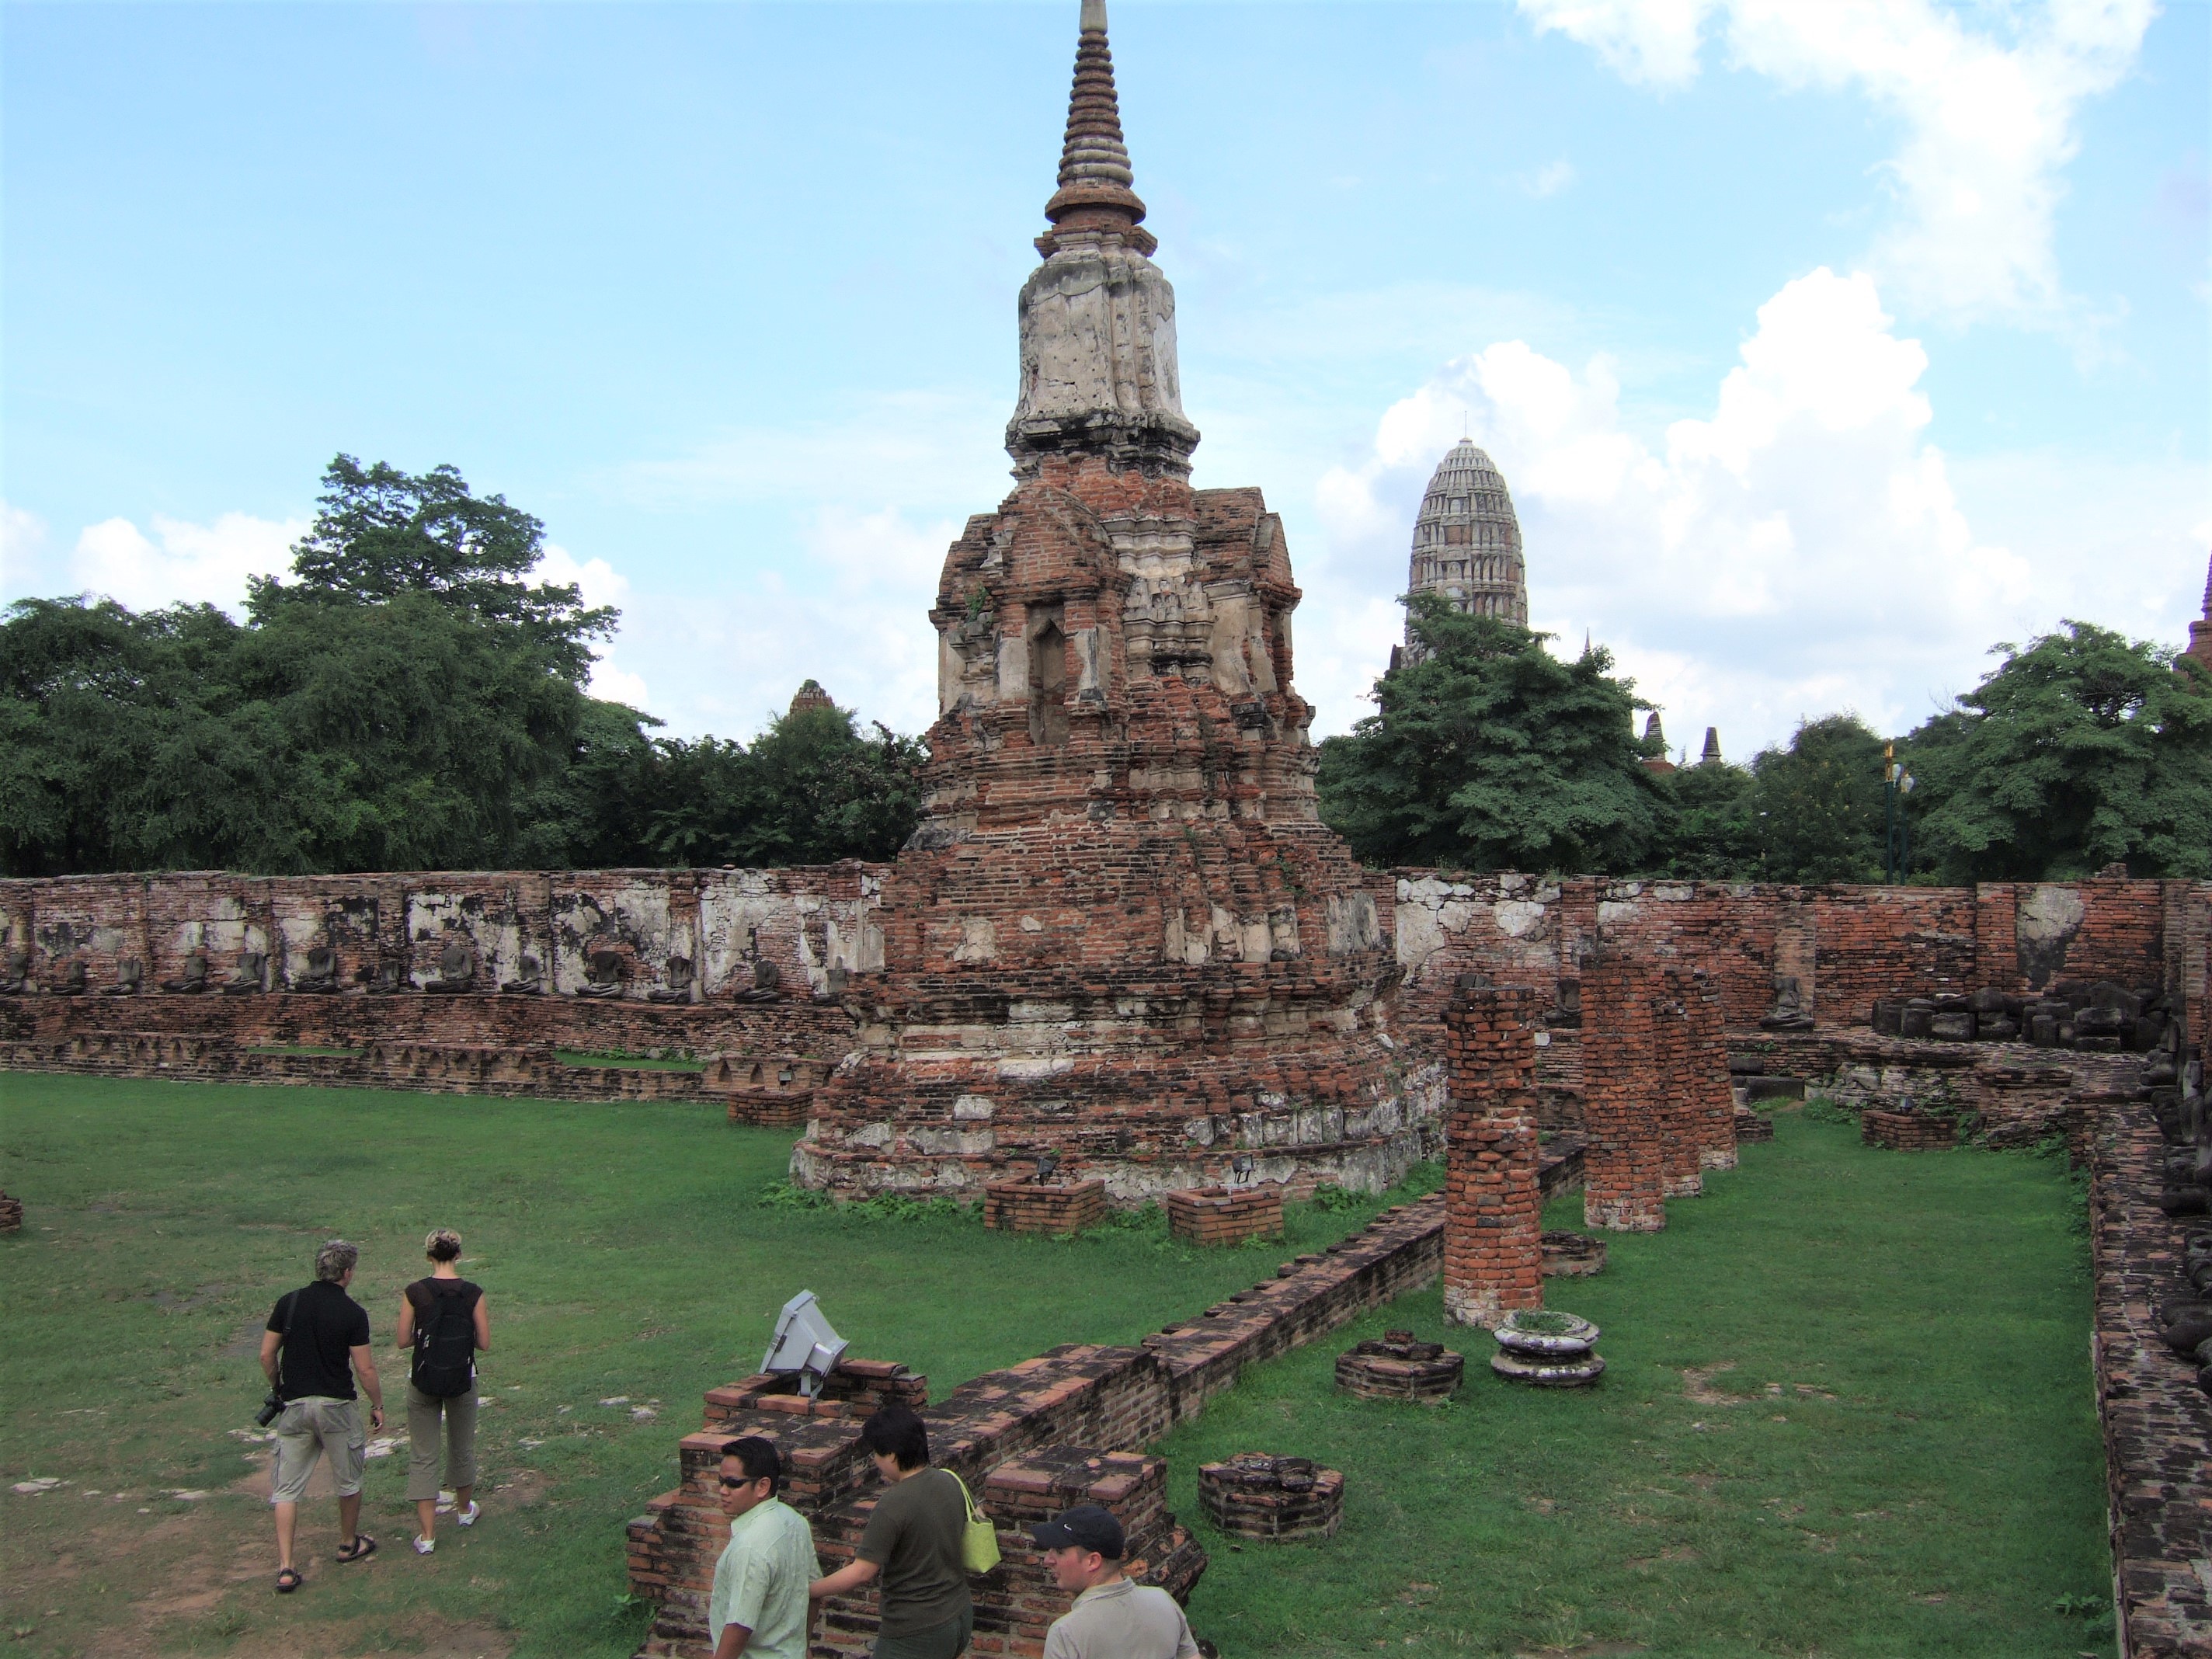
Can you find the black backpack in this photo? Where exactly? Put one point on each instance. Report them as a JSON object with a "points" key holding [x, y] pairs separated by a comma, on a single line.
{"points": [[446, 1346]]}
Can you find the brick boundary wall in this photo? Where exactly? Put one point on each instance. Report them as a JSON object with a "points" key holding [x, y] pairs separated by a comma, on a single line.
{"points": [[1621, 1165], [1493, 1260], [2157, 1423]]}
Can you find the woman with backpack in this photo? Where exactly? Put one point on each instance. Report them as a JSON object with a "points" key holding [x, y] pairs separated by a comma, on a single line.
{"points": [[444, 1323]]}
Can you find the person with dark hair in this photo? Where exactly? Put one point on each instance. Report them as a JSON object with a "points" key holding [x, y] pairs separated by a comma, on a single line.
{"points": [[1112, 1617], [759, 1604], [316, 1343], [912, 1541], [443, 1325]]}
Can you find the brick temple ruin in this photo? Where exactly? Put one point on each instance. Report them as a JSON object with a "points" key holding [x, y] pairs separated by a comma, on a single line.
{"points": [[1123, 944]]}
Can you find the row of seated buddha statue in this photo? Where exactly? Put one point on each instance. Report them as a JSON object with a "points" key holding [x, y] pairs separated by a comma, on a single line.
{"points": [[319, 974]]}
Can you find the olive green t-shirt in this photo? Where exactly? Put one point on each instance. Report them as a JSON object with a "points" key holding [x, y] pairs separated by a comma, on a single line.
{"points": [[914, 1536]]}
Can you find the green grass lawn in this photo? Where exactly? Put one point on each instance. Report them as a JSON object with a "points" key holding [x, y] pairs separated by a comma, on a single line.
{"points": [[1848, 1410], [1939, 1503], [624, 1250]]}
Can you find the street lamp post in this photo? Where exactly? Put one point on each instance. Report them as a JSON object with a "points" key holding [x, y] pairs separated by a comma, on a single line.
{"points": [[1897, 830]]}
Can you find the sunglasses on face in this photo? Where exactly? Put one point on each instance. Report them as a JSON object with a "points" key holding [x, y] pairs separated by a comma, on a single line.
{"points": [[731, 1482]]}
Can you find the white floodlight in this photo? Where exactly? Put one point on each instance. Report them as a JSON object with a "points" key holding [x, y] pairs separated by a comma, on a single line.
{"points": [[804, 1344]]}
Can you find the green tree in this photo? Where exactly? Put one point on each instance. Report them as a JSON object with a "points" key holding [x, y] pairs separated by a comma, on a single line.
{"points": [[1816, 807], [2084, 749], [380, 534], [1715, 834], [1491, 753], [811, 790], [123, 742]]}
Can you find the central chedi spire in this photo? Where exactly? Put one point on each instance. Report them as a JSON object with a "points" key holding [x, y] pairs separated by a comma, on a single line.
{"points": [[1121, 938], [1097, 318]]}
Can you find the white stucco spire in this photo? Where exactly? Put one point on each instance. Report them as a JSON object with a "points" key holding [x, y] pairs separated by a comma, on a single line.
{"points": [[1097, 318]]}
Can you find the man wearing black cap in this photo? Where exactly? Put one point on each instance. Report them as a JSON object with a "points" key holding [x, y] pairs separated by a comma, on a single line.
{"points": [[1112, 1618]]}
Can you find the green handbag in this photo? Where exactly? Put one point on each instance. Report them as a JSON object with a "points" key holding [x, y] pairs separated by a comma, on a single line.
{"points": [[979, 1539]]}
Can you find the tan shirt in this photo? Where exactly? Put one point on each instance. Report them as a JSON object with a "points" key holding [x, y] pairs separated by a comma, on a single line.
{"points": [[1122, 1621]]}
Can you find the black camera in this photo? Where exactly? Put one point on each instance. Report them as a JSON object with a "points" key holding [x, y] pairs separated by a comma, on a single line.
{"points": [[271, 1409]]}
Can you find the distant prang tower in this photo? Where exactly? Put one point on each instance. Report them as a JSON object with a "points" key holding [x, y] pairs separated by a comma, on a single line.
{"points": [[1121, 944], [1467, 542], [2200, 633]]}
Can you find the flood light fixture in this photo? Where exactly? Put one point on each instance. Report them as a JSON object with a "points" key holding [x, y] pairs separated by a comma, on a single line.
{"points": [[804, 1345]]}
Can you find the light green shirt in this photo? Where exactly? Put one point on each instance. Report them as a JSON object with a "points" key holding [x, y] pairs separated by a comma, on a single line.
{"points": [[1122, 1621], [760, 1581]]}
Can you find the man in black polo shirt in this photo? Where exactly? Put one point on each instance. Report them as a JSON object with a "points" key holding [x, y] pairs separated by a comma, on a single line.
{"points": [[317, 1340]]}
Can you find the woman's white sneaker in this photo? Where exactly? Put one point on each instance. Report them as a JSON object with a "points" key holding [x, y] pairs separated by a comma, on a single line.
{"points": [[424, 1546], [467, 1518]]}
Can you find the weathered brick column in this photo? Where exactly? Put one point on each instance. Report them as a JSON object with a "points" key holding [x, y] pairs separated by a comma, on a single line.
{"points": [[1493, 1211], [1620, 1160], [1715, 1118], [1681, 1173]]}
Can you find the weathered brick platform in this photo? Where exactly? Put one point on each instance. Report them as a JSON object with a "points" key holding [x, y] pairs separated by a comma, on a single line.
{"points": [[1224, 1215], [1254, 1494], [1572, 1255], [1397, 1367], [2157, 1422], [1753, 1127], [11, 1214], [1037, 1206], [1907, 1131]]}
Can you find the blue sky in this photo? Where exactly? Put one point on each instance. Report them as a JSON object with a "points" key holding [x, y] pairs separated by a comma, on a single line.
{"points": [[1822, 346]]}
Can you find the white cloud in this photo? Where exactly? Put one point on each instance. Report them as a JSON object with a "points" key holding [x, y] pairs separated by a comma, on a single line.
{"points": [[182, 563], [22, 543], [1652, 42], [1549, 180], [913, 445], [853, 613], [601, 583], [1800, 550], [1988, 123]]}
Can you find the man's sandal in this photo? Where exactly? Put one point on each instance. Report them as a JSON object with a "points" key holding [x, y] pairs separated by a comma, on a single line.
{"points": [[287, 1581], [361, 1549]]}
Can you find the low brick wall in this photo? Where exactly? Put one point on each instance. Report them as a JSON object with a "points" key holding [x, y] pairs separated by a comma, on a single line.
{"points": [[2013, 1094], [11, 1214], [1907, 1131], [1032, 1207], [1069, 1407], [1221, 1215], [1254, 1494], [2157, 1423]]}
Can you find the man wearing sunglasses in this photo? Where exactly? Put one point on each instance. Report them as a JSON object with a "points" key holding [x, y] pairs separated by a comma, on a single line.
{"points": [[759, 1605]]}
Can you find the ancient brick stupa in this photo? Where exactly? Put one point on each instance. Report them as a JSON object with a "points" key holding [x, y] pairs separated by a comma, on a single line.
{"points": [[1121, 937]]}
